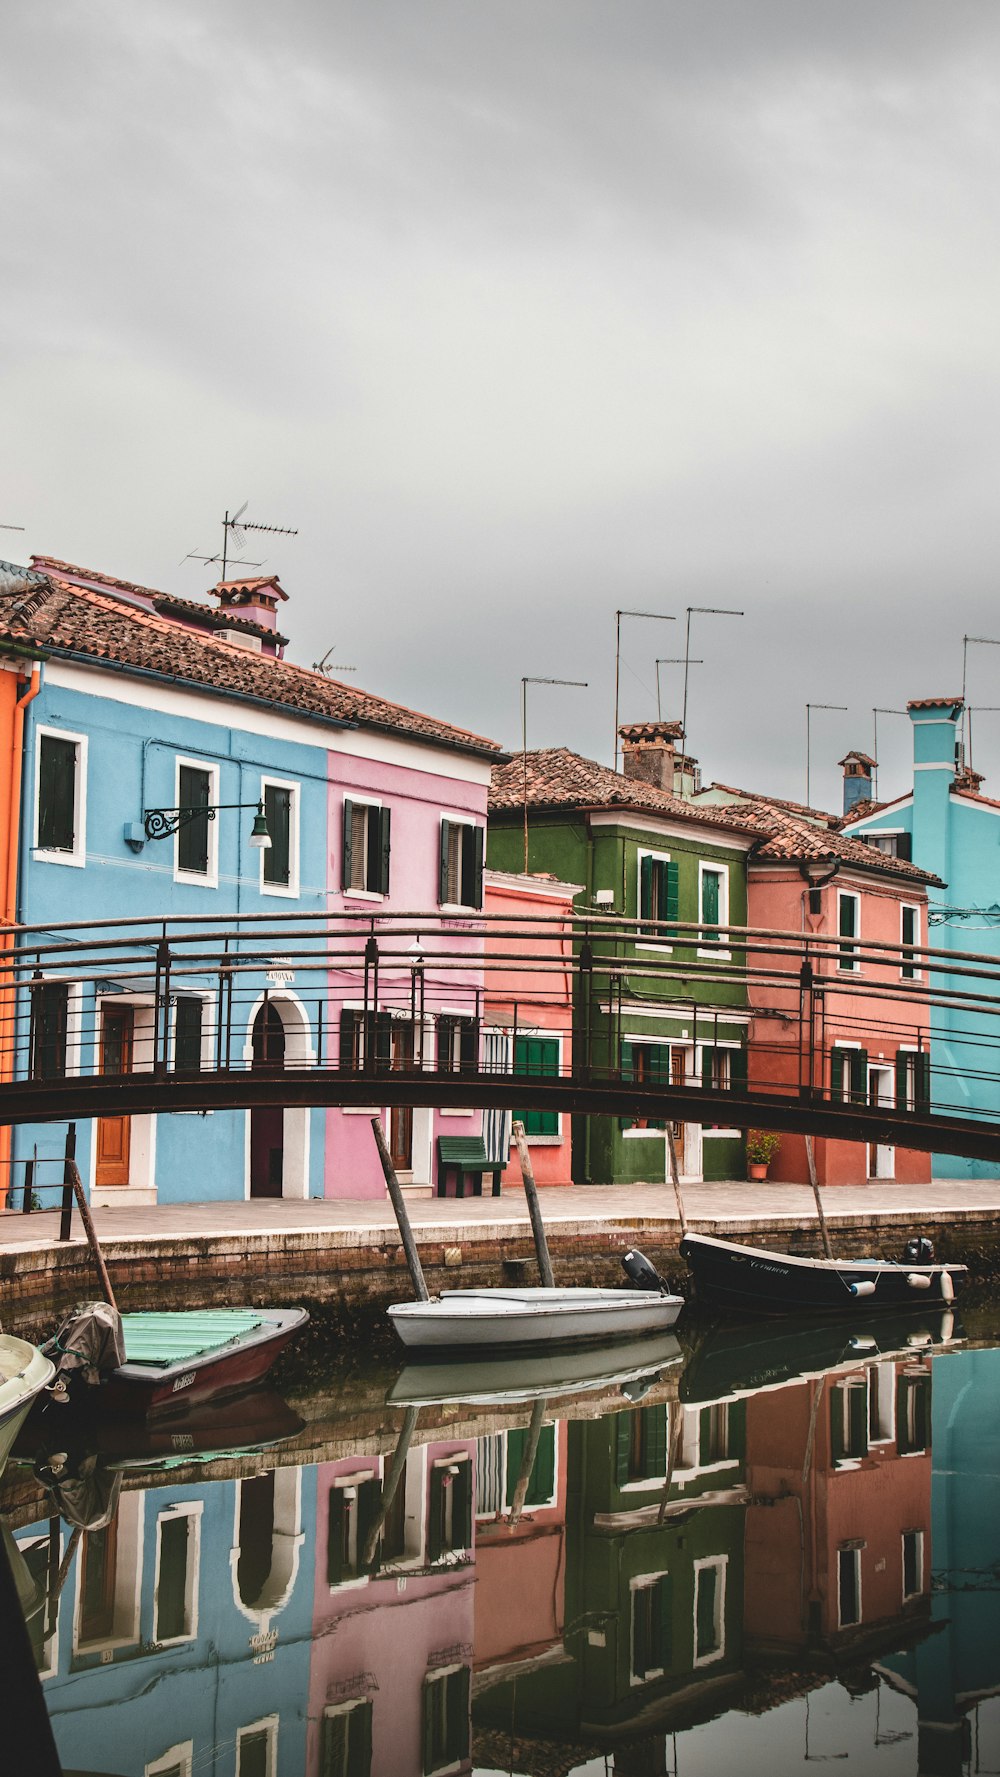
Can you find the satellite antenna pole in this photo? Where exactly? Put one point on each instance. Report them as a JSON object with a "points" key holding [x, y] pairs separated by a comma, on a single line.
{"points": [[231, 527]]}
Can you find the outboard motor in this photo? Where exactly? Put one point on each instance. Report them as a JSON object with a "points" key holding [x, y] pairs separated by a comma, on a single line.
{"points": [[641, 1273], [89, 1343], [918, 1251]]}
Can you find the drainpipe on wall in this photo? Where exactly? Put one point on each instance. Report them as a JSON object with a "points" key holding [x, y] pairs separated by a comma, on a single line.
{"points": [[10, 907]]}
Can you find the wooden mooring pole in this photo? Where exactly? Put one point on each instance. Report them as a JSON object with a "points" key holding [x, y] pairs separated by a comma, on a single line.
{"points": [[392, 1481], [395, 1191], [676, 1177], [814, 1181], [534, 1208], [528, 1455]]}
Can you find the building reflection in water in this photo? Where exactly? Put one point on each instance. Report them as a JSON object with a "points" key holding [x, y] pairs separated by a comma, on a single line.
{"points": [[528, 1587]]}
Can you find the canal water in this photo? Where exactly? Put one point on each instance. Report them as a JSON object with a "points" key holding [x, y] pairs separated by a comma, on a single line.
{"points": [[745, 1550]]}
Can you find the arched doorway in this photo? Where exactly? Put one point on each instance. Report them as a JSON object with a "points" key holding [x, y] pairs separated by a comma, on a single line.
{"points": [[267, 1122]]}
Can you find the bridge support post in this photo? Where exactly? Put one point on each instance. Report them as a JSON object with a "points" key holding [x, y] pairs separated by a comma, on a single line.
{"points": [[69, 1167]]}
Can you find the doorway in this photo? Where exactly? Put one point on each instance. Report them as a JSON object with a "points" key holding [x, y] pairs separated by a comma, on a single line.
{"points": [[881, 1158], [267, 1122], [401, 1116], [114, 1134]]}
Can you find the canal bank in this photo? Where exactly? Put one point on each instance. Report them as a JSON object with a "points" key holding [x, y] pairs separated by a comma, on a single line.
{"points": [[347, 1256]]}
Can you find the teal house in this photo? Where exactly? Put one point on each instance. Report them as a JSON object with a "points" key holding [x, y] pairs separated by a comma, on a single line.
{"points": [[947, 826]]}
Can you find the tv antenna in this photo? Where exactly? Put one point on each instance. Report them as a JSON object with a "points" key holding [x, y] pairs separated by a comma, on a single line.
{"points": [[11, 527], [234, 535], [326, 666]]}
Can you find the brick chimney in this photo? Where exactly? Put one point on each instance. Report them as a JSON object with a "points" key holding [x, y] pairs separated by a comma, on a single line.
{"points": [[649, 753], [256, 601], [858, 768]]}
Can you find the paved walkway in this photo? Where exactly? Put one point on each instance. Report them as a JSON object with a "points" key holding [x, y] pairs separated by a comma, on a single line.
{"points": [[622, 1205]]}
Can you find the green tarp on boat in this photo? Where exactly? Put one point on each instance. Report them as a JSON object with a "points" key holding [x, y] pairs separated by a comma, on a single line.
{"points": [[175, 1337]]}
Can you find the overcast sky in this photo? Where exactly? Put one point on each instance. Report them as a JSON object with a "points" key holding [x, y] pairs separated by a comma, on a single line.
{"points": [[524, 310]]}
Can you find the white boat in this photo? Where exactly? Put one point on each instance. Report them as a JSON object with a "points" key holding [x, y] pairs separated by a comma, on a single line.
{"points": [[546, 1374], [458, 1319], [24, 1372]]}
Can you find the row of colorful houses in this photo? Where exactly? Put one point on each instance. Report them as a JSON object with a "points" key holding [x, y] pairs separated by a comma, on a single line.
{"points": [[667, 1555], [118, 703]]}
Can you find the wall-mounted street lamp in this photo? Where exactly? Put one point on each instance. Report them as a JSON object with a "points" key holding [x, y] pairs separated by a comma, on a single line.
{"points": [[160, 823]]}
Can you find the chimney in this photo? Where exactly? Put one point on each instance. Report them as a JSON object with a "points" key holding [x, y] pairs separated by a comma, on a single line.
{"points": [[858, 768], [649, 753], [255, 601]]}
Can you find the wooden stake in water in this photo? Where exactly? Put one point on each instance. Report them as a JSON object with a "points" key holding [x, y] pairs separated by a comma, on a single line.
{"points": [[392, 1481], [675, 1175], [394, 1189], [534, 1209], [88, 1222], [814, 1181], [528, 1455]]}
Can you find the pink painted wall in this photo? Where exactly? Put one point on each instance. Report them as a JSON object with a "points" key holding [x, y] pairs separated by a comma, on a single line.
{"points": [[394, 1629], [544, 1003], [418, 800], [521, 1577], [777, 900]]}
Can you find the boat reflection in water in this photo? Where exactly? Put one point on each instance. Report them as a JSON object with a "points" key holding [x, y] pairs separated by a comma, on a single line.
{"points": [[789, 1537]]}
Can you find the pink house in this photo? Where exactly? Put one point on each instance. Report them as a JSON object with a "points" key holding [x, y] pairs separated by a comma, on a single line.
{"points": [[530, 1015], [391, 1660], [520, 1568]]}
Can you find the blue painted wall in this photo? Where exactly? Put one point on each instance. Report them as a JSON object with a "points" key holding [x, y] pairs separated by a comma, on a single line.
{"points": [[957, 839], [131, 766]]}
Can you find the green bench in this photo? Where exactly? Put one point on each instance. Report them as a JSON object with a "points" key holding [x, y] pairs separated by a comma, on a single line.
{"points": [[465, 1155]]}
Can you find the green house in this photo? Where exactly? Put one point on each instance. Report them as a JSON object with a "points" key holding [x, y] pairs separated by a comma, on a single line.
{"points": [[647, 854]]}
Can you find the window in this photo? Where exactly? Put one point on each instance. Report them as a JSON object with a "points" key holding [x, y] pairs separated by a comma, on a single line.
{"points": [[849, 1076], [881, 1403], [366, 848], [650, 1627], [59, 810], [187, 1034], [848, 1586], [450, 1521], [913, 1079], [714, 901], [909, 922], [713, 1434], [709, 1610], [346, 1741], [913, 1414], [649, 1065], [446, 1719], [893, 845], [175, 1590], [460, 881], [257, 1748], [849, 1420], [353, 1508], [195, 844], [457, 1044], [913, 1563], [49, 1029], [848, 926], [175, 1763], [657, 894], [279, 863], [641, 1445], [539, 1056]]}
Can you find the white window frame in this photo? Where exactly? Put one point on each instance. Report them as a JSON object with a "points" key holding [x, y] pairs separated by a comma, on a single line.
{"points": [[210, 878], [288, 891], [267, 1724], [662, 1043], [661, 946], [882, 1381], [353, 1480], [859, 1619], [76, 858], [432, 1676], [917, 971], [74, 1021], [191, 1509], [207, 999], [721, 1564], [182, 1754], [458, 820], [643, 1582], [852, 967], [335, 1709], [732, 1045], [906, 1596], [369, 802], [707, 867]]}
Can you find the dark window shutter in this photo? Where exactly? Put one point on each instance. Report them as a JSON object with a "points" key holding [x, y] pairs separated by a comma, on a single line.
{"points": [[663, 1603], [710, 898], [373, 858], [435, 1535], [187, 1035], [193, 786], [345, 874], [836, 1074], [56, 793], [469, 1045], [459, 1694], [671, 903], [278, 815], [922, 1068], [334, 1745], [383, 1039], [904, 846], [478, 849], [738, 1069], [627, 1073], [859, 1075], [383, 875], [646, 908], [654, 1442], [623, 1439], [349, 1022], [443, 864], [335, 1538], [48, 1030], [359, 1748], [461, 1507], [707, 1065], [903, 1061], [446, 1044], [369, 1496], [642, 1653]]}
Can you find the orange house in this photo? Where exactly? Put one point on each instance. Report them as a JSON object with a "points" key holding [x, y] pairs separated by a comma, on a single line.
{"points": [[528, 1010]]}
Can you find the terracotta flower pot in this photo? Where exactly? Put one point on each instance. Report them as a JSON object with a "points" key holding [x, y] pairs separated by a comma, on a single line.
{"points": [[756, 1169]]}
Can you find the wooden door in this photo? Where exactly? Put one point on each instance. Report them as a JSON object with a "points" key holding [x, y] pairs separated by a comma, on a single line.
{"points": [[267, 1122], [401, 1116], [114, 1134]]}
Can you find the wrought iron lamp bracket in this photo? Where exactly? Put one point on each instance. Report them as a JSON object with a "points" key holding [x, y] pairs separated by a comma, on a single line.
{"points": [[160, 823]]}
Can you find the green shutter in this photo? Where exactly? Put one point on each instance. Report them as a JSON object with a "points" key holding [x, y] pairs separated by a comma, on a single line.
{"points": [[738, 1070], [671, 899], [468, 1045], [654, 1442], [278, 815], [477, 866], [461, 1507], [710, 900], [646, 909], [443, 864], [373, 855], [369, 1496], [859, 1075], [542, 1480], [335, 1537], [537, 1056], [348, 1031], [56, 793], [428, 1706], [187, 1035], [922, 1068], [435, 1540], [383, 861], [836, 1074], [707, 1059], [467, 871], [623, 1439], [903, 1059], [459, 1695], [383, 1039], [345, 874], [663, 1607], [192, 839]]}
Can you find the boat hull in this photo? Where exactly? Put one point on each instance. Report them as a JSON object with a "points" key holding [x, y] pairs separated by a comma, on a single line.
{"points": [[480, 1320], [750, 1280], [538, 1375], [24, 1372], [145, 1390]]}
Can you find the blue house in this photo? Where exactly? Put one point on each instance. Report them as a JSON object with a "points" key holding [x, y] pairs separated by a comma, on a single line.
{"points": [[947, 826], [161, 731]]}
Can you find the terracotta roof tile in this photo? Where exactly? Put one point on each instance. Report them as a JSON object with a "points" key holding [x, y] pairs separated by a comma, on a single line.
{"points": [[822, 815], [98, 626], [651, 731], [558, 778], [787, 836], [934, 703], [865, 759]]}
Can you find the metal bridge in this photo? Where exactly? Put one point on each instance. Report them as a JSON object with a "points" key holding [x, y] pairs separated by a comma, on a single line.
{"points": [[358, 979]]}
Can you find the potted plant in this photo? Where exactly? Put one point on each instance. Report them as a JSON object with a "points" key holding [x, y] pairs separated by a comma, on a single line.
{"points": [[762, 1145]]}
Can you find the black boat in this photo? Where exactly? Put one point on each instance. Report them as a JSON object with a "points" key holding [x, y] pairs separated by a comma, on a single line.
{"points": [[740, 1358], [750, 1280]]}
